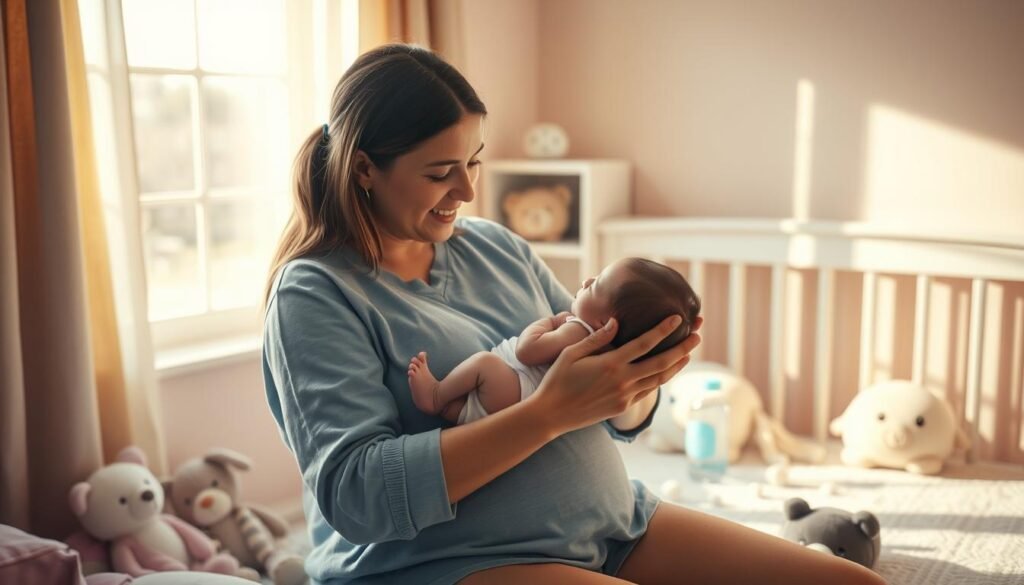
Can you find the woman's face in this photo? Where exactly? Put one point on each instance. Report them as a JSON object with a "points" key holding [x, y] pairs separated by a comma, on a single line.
{"points": [[419, 196]]}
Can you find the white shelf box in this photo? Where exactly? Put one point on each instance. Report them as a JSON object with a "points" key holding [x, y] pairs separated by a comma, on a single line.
{"points": [[601, 189]]}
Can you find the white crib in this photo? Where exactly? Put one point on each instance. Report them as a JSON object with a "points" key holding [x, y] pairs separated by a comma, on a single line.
{"points": [[833, 251]]}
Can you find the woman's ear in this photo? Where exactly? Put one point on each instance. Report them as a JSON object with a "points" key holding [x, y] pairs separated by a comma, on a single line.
{"points": [[363, 169]]}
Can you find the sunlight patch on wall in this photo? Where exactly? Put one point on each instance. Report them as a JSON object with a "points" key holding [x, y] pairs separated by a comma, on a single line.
{"points": [[929, 173], [803, 149]]}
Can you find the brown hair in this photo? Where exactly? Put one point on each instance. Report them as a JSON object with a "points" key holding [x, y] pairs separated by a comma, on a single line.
{"points": [[655, 292], [390, 100]]}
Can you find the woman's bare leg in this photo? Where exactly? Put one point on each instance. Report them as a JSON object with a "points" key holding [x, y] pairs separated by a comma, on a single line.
{"points": [[497, 384], [543, 574], [686, 545]]}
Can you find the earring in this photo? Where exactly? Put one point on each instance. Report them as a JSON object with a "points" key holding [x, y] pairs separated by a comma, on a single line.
{"points": [[367, 192]]}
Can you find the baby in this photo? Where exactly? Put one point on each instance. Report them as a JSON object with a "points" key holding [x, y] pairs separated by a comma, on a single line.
{"points": [[638, 293]]}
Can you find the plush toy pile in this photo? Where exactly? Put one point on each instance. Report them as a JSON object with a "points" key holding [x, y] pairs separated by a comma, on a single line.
{"points": [[121, 507]]}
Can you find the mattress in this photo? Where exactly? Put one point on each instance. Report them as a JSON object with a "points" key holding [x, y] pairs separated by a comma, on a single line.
{"points": [[963, 527]]}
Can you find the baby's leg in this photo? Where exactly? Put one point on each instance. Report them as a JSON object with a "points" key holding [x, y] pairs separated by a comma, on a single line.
{"points": [[497, 384]]}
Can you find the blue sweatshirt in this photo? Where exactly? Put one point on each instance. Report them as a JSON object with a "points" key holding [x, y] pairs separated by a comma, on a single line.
{"points": [[337, 344]]}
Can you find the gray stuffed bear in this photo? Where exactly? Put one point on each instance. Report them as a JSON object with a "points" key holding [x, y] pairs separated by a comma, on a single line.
{"points": [[204, 493], [852, 536]]}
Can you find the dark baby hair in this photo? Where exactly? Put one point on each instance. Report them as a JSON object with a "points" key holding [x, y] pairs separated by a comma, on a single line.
{"points": [[653, 292]]}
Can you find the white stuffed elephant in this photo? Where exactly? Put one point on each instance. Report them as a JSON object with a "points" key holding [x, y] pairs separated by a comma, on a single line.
{"points": [[746, 416], [899, 424]]}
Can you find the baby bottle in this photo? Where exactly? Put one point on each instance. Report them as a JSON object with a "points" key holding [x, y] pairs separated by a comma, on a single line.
{"points": [[707, 434]]}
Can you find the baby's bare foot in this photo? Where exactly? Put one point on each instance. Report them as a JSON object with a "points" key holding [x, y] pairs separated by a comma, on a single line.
{"points": [[423, 385]]}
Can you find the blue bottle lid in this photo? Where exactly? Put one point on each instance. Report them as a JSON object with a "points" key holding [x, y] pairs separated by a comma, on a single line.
{"points": [[713, 385]]}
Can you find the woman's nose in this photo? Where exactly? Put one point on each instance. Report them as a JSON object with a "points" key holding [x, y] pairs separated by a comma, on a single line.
{"points": [[466, 190]]}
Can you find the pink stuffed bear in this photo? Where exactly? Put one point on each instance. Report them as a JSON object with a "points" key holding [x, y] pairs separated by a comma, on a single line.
{"points": [[122, 504]]}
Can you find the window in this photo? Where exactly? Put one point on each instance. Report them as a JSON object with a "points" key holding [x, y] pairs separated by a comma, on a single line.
{"points": [[222, 93]]}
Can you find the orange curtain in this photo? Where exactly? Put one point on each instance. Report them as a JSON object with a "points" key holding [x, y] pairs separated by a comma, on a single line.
{"points": [[430, 23], [65, 406]]}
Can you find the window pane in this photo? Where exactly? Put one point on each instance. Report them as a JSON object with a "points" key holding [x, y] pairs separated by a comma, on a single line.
{"points": [[160, 33], [162, 109], [242, 235], [241, 36], [172, 261], [246, 132]]}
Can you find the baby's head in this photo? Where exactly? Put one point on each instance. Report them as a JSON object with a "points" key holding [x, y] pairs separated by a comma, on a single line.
{"points": [[639, 294]]}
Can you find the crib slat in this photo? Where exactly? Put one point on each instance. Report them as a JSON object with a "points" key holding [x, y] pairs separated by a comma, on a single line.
{"points": [[737, 318], [823, 358], [775, 365], [697, 284], [974, 349], [921, 326], [867, 331]]}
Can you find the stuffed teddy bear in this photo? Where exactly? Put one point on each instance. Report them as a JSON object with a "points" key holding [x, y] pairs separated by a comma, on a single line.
{"points": [[539, 213], [746, 416], [204, 492], [855, 537], [898, 424], [122, 503]]}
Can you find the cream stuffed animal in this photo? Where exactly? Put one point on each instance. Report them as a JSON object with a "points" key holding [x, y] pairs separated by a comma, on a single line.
{"points": [[899, 424], [746, 417]]}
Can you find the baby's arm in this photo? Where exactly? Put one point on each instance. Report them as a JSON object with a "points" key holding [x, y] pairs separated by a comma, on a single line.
{"points": [[544, 340]]}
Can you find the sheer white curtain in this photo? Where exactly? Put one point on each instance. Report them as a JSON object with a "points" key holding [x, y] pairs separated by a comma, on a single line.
{"points": [[105, 58]]}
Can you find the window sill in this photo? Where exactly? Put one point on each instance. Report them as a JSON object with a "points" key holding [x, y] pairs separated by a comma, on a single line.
{"points": [[190, 359]]}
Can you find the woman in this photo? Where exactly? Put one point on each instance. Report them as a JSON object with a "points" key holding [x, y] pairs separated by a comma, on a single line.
{"points": [[372, 268]]}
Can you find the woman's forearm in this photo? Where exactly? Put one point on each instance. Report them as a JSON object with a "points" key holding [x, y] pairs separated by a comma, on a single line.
{"points": [[472, 455], [636, 414]]}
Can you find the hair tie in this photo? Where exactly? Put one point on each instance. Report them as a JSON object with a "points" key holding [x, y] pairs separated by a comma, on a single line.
{"points": [[326, 137]]}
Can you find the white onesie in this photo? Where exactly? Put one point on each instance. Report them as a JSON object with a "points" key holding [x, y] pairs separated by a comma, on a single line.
{"points": [[529, 376]]}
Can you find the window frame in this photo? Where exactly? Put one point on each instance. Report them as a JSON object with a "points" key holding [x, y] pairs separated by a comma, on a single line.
{"points": [[321, 38]]}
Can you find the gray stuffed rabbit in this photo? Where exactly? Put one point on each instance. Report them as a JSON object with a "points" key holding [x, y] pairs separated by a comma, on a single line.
{"points": [[204, 492]]}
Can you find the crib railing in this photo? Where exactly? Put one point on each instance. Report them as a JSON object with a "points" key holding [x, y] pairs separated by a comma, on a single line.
{"points": [[829, 247]]}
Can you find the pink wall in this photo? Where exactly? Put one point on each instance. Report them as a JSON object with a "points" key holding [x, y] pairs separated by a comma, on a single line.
{"points": [[702, 97], [502, 62], [226, 407], [892, 112]]}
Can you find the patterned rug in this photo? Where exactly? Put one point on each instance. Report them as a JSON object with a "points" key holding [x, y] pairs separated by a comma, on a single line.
{"points": [[965, 527]]}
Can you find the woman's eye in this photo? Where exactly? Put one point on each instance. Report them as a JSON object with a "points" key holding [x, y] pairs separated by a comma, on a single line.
{"points": [[439, 179]]}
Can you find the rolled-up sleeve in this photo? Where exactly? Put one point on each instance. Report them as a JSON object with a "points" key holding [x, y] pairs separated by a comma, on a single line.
{"points": [[325, 385], [628, 436]]}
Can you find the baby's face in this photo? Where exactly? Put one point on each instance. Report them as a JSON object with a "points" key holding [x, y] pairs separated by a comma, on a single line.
{"points": [[593, 300]]}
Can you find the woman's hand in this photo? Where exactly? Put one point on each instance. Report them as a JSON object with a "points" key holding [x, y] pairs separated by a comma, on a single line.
{"points": [[581, 389]]}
